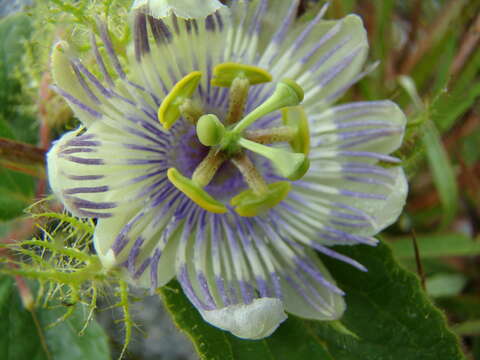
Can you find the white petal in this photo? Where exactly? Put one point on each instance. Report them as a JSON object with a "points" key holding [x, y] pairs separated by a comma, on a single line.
{"points": [[187, 9], [65, 78], [92, 172], [75, 183], [384, 212], [254, 321], [328, 127], [54, 166], [323, 62], [107, 231], [296, 304], [318, 89], [388, 212], [373, 206]]}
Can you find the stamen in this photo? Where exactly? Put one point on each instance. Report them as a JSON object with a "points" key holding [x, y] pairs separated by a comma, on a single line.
{"points": [[195, 192], [287, 93], [178, 102], [207, 169], [249, 204], [251, 175], [290, 165]]}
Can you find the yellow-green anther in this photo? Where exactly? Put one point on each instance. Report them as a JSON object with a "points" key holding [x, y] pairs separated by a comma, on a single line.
{"points": [[287, 93], [289, 165], [170, 109], [296, 118], [250, 174], [210, 130], [248, 204], [207, 169], [238, 97], [224, 74], [195, 192]]}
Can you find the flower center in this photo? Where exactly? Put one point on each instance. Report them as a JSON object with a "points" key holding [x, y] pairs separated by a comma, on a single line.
{"points": [[227, 140]]}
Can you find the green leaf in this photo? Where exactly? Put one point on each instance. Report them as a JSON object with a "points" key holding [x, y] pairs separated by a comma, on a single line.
{"points": [[19, 338], [64, 340], [388, 317], [436, 245], [22, 340], [16, 193], [442, 171], [447, 108], [16, 190], [14, 31]]}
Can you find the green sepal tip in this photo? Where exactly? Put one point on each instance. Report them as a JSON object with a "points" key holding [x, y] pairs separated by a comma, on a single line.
{"points": [[249, 204]]}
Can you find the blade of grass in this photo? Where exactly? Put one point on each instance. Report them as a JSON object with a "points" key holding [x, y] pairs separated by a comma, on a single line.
{"points": [[434, 246], [442, 171]]}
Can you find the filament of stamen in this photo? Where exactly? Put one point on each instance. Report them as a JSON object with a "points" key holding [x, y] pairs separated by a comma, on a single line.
{"points": [[271, 135], [251, 175], [238, 98], [207, 169]]}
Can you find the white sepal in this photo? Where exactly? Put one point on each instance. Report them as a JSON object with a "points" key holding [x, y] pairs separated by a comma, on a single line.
{"points": [[253, 321]]}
